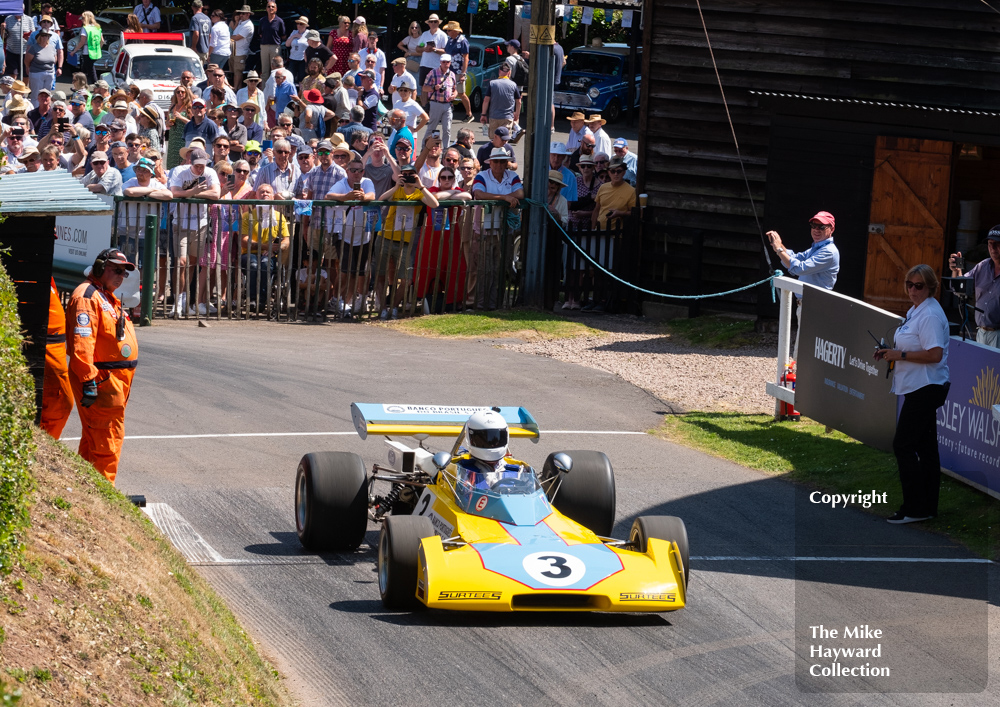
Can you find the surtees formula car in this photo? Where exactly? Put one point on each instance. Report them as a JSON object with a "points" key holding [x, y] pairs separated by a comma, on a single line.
{"points": [[525, 542]]}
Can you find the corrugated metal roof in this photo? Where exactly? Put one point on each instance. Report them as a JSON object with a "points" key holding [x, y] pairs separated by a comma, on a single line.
{"points": [[48, 193], [878, 104]]}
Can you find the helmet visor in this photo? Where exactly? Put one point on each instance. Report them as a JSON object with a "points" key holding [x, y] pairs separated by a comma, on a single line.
{"points": [[488, 439]]}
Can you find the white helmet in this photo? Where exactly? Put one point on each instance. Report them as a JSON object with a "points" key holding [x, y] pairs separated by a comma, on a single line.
{"points": [[487, 435]]}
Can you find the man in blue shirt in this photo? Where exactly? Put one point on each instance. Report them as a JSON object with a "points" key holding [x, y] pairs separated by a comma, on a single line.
{"points": [[817, 266], [620, 146], [283, 92], [199, 125], [458, 48]]}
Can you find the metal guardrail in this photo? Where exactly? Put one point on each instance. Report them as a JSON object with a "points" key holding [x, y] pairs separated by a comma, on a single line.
{"points": [[312, 260]]}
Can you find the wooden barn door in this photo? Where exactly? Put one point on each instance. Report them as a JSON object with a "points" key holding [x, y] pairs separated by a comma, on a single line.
{"points": [[908, 214]]}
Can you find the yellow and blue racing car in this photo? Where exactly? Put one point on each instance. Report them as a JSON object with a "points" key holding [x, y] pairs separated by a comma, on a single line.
{"points": [[463, 534]]}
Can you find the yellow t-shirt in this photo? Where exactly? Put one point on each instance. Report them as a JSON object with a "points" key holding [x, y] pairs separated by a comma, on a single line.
{"points": [[611, 197], [400, 221]]}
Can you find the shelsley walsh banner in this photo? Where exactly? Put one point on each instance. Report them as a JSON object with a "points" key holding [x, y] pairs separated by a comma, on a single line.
{"points": [[837, 381], [968, 434]]}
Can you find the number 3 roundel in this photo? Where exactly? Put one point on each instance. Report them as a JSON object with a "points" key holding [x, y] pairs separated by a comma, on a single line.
{"points": [[556, 569]]}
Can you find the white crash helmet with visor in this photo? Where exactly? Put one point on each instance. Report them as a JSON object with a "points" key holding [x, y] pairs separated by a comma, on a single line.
{"points": [[487, 435]]}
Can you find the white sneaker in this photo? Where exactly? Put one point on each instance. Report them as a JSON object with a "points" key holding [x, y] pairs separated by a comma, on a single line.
{"points": [[359, 304], [212, 309]]}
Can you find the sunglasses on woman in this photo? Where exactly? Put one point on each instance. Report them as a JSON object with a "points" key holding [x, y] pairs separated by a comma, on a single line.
{"points": [[914, 285]]}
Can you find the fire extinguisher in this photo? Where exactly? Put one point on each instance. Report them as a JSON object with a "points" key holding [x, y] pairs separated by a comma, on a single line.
{"points": [[788, 411]]}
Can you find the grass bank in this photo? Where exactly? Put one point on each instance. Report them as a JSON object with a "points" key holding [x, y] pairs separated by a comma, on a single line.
{"points": [[527, 324], [804, 452], [101, 609]]}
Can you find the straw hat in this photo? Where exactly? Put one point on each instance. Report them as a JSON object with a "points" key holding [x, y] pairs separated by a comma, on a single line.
{"points": [[556, 176], [596, 118], [20, 87], [577, 116], [452, 26], [196, 144]]}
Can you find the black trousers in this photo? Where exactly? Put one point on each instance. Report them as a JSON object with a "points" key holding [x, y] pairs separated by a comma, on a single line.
{"points": [[916, 449]]}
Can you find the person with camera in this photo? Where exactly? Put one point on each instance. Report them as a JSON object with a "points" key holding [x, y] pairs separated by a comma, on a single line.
{"points": [[103, 355], [817, 266], [439, 91], [985, 276], [921, 376]]}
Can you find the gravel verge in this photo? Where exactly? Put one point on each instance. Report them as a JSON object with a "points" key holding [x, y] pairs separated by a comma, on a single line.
{"points": [[685, 377]]}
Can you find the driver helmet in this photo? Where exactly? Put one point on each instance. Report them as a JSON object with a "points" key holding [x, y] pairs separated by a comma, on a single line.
{"points": [[487, 436]]}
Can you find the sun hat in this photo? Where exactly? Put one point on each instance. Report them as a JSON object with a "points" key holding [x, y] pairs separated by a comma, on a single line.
{"points": [[556, 176], [313, 96], [500, 154], [303, 20], [558, 148], [452, 26], [312, 35]]}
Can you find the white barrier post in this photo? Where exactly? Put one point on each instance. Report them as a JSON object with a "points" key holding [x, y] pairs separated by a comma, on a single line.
{"points": [[788, 289]]}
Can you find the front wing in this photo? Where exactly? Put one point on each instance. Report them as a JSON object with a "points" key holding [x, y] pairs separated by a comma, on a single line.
{"points": [[459, 579]]}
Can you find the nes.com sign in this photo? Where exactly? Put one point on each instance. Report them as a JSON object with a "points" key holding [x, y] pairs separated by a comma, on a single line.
{"points": [[80, 238], [837, 382]]}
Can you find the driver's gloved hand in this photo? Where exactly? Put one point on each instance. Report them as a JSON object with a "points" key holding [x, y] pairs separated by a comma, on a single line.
{"points": [[89, 393]]}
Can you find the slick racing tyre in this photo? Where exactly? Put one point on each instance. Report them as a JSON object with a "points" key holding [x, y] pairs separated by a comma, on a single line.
{"points": [[669, 528], [587, 492], [331, 501], [398, 546]]}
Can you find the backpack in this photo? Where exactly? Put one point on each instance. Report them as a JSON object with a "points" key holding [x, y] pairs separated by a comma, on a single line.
{"points": [[520, 73]]}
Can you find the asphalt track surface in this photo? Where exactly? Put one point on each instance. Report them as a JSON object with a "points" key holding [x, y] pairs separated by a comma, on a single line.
{"points": [[742, 639]]}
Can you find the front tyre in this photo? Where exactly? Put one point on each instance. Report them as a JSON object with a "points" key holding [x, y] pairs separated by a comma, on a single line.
{"points": [[398, 547], [331, 501], [613, 111], [476, 100], [669, 528]]}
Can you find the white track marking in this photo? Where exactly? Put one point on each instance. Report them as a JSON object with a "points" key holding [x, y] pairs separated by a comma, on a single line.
{"points": [[342, 434], [737, 558], [196, 551]]}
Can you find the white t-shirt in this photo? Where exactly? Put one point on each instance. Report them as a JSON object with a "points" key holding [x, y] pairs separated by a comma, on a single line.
{"points": [[304, 273], [429, 174], [147, 17], [350, 221], [380, 64], [135, 214], [925, 328], [406, 79], [245, 30], [432, 60], [185, 215], [218, 40], [413, 111]]}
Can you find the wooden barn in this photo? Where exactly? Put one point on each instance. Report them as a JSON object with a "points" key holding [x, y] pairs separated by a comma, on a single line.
{"points": [[884, 112]]}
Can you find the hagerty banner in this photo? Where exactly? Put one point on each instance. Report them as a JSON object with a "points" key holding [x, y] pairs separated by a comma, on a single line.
{"points": [[837, 381]]}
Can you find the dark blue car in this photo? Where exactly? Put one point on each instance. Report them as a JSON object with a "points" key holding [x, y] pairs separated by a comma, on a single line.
{"points": [[594, 80]]}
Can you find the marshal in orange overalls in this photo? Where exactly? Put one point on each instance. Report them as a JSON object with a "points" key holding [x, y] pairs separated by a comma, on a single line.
{"points": [[100, 348], [57, 394]]}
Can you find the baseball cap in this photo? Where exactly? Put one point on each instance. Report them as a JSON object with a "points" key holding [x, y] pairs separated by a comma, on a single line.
{"points": [[325, 145], [446, 57], [113, 256], [312, 35], [994, 234], [102, 84], [514, 43], [825, 218], [7, 81], [304, 150], [369, 74], [503, 132], [558, 148], [196, 101], [118, 143], [99, 156], [620, 142], [252, 146], [398, 60], [616, 162], [359, 20], [408, 167], [146, 163], [118, 125], [49, 93], [199, 156]]}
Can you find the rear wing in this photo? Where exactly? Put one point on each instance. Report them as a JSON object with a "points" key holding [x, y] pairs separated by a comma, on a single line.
{"points": [[432, 420], [153, 38]]}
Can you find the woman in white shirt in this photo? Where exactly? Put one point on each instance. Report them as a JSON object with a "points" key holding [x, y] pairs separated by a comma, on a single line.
{"points": [[408, 45], [921, 377], [218, 41], [297, 45]]}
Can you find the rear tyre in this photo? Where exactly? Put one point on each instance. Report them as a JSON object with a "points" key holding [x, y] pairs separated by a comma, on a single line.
{"points": [[331, 501], [476, 100], [669, 528], [587, 493], [398, 546]]}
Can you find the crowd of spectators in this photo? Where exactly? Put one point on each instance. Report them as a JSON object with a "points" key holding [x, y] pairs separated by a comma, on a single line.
{"points": [[336, 121]]}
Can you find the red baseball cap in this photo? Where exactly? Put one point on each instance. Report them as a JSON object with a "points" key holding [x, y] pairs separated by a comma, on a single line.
{"points": [[826, 218]]}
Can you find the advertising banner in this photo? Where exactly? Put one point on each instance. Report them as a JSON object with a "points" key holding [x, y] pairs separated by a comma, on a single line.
{"points": [[79, 239], [837, 381], [968, 435]]}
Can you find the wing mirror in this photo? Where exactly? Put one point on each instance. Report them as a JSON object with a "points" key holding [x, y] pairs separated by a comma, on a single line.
{"points": [[563, 462], [441, 460]]}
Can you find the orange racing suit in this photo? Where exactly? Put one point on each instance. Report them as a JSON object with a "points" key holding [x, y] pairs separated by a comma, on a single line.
{"points": [[102, 346], [57, 394]]}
